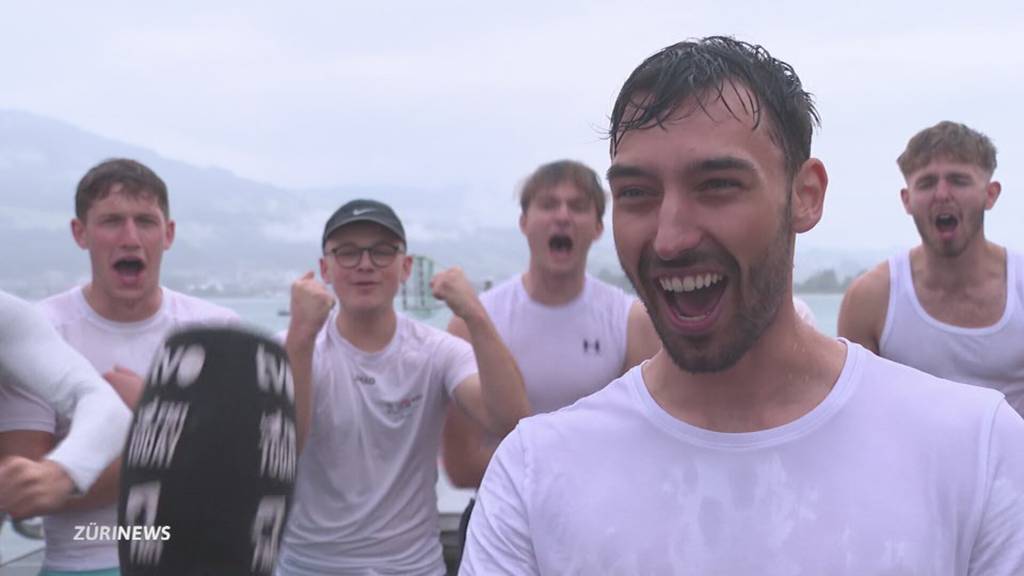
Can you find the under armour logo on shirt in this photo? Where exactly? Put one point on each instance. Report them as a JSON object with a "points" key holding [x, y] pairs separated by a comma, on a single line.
{"points": [[589, 346]]}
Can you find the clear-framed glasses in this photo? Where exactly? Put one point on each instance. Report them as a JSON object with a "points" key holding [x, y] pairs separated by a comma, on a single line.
{"points": [[349, 255]]}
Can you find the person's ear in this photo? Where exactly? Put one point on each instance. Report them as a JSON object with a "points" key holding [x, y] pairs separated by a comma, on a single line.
{"points": [[808, 195]]}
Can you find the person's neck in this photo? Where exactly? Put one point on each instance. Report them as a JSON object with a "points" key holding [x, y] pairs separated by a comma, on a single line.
{"points": [[956, 274], [783, 376], [369, 331], [122, 309], [552, 289]]}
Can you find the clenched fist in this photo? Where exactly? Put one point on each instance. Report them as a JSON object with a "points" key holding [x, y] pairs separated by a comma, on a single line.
{"points": [[311, 303], [30, 488], [451, 287]]}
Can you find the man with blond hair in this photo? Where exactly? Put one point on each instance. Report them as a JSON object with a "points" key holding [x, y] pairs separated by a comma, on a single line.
{"points": [[953, 306]]}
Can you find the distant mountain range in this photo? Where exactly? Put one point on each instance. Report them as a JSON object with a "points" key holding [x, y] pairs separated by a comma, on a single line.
{"points": [[237, 236]]}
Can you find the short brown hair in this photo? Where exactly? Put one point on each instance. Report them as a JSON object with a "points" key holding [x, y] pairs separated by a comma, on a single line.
{"points": [[948, 140], [554, 173], [134, 178]]}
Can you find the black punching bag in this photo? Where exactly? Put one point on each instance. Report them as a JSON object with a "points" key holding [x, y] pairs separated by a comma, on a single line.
{"points": [[209, 466]]}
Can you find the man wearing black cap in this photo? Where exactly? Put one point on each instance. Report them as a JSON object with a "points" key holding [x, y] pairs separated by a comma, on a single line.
{"points": [[378, 385]]}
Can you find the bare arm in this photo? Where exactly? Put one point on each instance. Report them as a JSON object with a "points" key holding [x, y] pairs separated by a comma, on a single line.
{"points": [[37, 359], [31, 486], [862, 313], [496, 396], [642, 340], [466, 449], [33, 446], [311, 303]]}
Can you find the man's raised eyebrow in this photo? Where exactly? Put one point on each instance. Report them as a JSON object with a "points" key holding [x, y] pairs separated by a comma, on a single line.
{"points": [[626, 171]]}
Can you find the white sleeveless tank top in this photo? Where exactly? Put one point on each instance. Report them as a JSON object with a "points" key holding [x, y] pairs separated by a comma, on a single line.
{"points": [[992, 356]]}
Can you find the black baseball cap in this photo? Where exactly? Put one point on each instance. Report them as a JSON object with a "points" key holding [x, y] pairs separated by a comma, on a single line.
{"points": [[363, 210]]}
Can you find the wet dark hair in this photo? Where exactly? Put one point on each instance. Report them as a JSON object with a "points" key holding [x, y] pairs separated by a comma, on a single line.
{"points": [[554, 173], [704, 69], [948, 140], [134, 178]]}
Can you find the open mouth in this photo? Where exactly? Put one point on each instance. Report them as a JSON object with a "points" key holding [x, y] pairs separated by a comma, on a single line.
{"points": [[694, 297], [946, 223], [129, 268], [560, 244]]}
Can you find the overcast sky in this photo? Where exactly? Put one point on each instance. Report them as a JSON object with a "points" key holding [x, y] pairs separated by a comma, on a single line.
{"points": [[473, 95]]}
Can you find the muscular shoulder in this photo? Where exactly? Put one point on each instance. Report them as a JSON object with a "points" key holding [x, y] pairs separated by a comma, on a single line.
{"points": [[863, 310], [873, 282]]}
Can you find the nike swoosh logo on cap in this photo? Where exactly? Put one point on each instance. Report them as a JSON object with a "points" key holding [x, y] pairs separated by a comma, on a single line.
{"points": [[361, 211]]}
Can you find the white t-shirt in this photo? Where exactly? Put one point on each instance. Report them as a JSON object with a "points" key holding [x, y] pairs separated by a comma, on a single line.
{"points": [[104, 343], [34, 359], [563, 352], [895, 472], [365, 500]]}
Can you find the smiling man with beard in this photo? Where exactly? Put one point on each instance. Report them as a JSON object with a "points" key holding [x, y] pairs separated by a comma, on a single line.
{"points": [[117, 321], [751, 444], [953, 306]]}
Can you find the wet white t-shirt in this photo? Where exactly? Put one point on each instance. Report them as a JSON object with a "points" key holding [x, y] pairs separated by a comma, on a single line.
{"points": [[895, 472], [563, 352], [365, 499]]}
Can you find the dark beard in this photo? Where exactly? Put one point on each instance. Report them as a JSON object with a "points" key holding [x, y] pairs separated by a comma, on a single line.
{"points": [[768, 285]]}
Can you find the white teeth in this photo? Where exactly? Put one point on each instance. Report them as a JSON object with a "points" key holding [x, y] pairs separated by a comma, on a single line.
{"points": [[689, 283]]}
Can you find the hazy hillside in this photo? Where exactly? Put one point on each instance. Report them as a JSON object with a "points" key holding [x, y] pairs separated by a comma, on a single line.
{"points": [[237, 234]]}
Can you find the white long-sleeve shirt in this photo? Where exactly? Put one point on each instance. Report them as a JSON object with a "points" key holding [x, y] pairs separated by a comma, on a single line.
{"points": [[35, 358]]}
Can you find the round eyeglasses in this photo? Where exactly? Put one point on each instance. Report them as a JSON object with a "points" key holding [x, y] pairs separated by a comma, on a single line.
{"points": [[349, 255]]}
